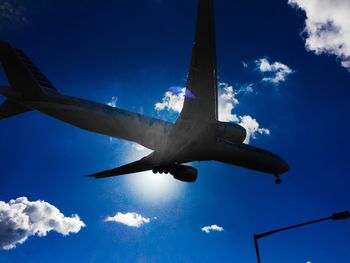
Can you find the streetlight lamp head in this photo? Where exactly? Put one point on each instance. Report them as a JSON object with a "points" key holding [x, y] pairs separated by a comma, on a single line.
{"points": [[341, 215]]}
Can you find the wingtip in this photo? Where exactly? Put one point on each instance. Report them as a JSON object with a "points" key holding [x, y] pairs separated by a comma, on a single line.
{"points": [[90, 176]]}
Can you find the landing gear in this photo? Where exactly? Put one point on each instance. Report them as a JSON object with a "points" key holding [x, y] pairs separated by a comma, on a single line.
{"points": [[161, 170], [278, 179]]}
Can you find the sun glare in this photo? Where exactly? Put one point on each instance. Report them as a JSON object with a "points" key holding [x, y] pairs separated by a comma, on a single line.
{"points": [[151, 187], [155, 187]]}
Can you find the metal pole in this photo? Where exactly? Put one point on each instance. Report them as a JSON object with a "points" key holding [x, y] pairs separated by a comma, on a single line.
{"points": [[257, 248]]}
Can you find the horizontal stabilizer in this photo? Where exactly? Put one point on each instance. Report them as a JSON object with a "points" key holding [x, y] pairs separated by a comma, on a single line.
{"points": [[22, 74], [142, 165], [41, 80], [10, 108]]}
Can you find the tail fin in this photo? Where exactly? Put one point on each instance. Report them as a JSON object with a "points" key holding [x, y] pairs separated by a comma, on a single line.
{"points": [[10, 108], [24, 77], [201, 98]]}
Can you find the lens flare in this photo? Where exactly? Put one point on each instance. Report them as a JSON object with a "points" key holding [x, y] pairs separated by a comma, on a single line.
{"points": [[182, 91]]}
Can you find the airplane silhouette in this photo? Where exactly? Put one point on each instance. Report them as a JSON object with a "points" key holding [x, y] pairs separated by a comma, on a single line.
{"points": [[197, 135]]}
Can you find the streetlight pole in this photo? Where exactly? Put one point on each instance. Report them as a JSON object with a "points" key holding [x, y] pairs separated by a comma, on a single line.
{"points": [[336, 216]]}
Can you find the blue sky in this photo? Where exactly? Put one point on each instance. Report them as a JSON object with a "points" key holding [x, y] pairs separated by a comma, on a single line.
{"points": [[135, 51]]}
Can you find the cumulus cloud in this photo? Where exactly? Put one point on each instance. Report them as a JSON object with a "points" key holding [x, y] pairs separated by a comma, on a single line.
{"points": [[227, 102], [252, 127], [245, 64], [21, 218], [131, 219], [113, 102], [275, 72], [327, 27], [12, 11], [172, 101], [208, 229], [249, 88]]}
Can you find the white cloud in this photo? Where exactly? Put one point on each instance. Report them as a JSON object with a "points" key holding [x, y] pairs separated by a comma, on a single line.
{"points": [[252, 127], [227, 102], [276, 72], [327, 27], [21, 218], [12, 11], [245, 64], [130, 219], [172, 101], [208, 229], [249, 88], [222, 84], [113, 102], [245, 89]]}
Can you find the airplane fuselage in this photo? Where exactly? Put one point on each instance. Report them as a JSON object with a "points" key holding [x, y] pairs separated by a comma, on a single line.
{"points": [[196, 142], [200, 142]]}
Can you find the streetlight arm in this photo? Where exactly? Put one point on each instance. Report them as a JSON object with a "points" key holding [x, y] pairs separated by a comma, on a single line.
{"points": [[294, 226]]}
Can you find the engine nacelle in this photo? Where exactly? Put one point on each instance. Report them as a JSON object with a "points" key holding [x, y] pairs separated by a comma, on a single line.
{"points": [[231, 132], [184, 173]]}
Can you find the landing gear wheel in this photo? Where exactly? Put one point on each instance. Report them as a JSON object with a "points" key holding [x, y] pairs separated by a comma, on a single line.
{"points": [[278, 180]]}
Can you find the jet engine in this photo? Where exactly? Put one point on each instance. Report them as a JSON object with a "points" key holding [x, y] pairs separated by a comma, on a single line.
{"points": [[184, 173], [231, 132]]}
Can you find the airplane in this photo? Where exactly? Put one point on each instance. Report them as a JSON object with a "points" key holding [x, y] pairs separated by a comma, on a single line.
{"points": [[197, 134]]}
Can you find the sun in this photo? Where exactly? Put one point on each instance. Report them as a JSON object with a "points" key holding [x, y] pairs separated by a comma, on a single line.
{"points": [[150, 187]]}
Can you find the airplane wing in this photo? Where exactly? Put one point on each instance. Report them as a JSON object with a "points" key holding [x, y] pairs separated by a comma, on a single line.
{"points": [[201, 94], [144, 164]]}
